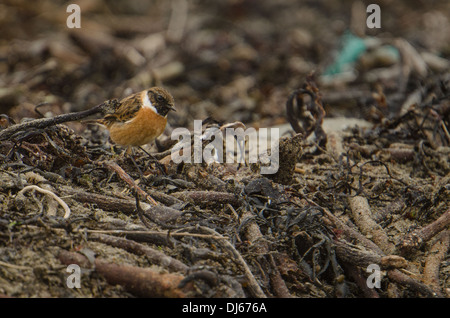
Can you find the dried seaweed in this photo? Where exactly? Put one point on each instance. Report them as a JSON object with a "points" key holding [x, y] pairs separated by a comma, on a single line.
{"points": [[342, 199]]}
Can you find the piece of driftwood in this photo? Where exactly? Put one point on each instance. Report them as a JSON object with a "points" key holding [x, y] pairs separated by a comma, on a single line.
{"points": [[356, 273], [360, 257], [278, 284], [412, 283], [128, 180], [417, 238], [141, 282], [104, 202], [361, 214], [434, 259], [350, 233], [104, 108], [153, 256], [207, 198]]}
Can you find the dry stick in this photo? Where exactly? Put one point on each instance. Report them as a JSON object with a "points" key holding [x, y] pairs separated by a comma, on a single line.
{"points": [[436, 255], [15, 266], [361, 213], [400, 155], [353, 255], [360, 257], [164, 198], [352, 234], [279, 286], [142, 282], [154, 256], [161, 155], [104, 202], [105, 108], [417, 238], [207, 197], [356, 274], [163, 233], [109, 203], [125, 177], [412, 283]]}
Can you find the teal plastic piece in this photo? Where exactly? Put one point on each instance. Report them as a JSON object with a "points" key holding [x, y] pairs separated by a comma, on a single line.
{"points": [[352, 47]]}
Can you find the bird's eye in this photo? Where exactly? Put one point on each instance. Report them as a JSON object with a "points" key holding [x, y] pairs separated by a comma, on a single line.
{"points": [[159, 98]]}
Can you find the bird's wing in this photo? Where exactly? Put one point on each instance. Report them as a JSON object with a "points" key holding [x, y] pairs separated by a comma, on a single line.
{"points": [[127, 110]]}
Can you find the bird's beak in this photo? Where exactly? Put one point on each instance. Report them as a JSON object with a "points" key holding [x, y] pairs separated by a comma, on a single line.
{"points": [[172, 108]]}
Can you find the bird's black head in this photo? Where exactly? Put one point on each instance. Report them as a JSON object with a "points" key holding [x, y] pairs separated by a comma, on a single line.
{"points": [[161, 100]]}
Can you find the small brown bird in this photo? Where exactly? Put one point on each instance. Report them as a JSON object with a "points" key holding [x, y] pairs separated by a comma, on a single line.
{"points": [[140, 118]]}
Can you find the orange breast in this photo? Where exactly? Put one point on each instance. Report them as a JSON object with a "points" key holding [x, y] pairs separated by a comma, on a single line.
{"points": [[143, 129]]}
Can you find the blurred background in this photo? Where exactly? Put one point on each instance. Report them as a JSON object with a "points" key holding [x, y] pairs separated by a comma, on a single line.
{"points": [[230, 60]]}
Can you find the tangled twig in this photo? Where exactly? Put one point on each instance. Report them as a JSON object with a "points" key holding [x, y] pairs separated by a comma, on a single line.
{"points": [[309, 114]]}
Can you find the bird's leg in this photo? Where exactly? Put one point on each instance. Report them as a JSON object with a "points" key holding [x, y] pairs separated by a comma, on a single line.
{"points": [[130, 153], [157, 163]]}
